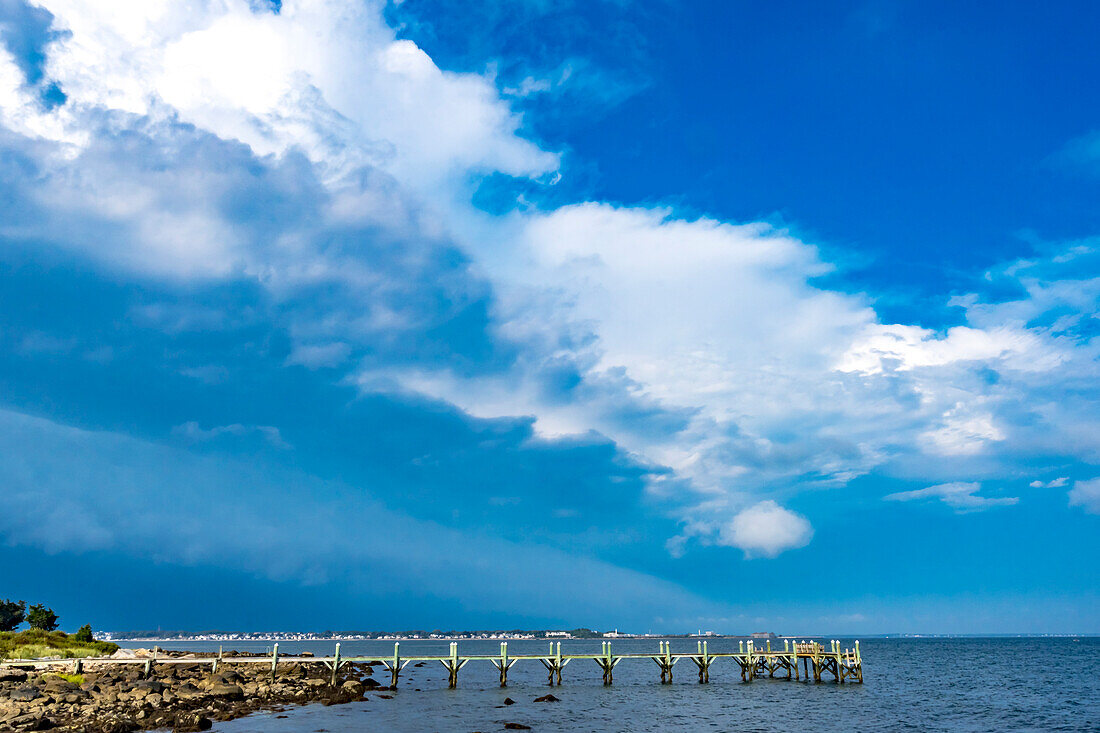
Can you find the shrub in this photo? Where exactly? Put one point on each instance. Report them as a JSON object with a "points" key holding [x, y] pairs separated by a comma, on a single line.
{"points": [[12, 613], [33, 644], [40, 617], [84, 634]]}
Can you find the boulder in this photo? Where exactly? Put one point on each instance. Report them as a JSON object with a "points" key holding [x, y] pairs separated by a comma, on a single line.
{"points": [[226, 690], [24, 694], [8, 674], [187, 691], [214, 679], [33, 722], [547, 698], [355, 687], [150, 685]]}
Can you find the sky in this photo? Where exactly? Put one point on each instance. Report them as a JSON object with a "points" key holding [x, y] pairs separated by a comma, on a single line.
{"points": [[665, 317]]}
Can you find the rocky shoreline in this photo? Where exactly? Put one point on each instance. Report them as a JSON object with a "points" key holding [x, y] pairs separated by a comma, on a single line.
{"points": [[117, 698]]}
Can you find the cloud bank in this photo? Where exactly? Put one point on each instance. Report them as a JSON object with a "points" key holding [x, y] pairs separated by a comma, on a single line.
{"points": [[316, 173]]}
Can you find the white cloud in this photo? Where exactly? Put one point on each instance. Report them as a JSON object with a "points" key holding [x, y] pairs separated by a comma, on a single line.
{"points": [[316, 356], [1086, 494], [766, 529], [711, 323], [964, 430], [895, 347], [325, 76], [959, 495], [193, 432], [703, 346], [1052, 484]]}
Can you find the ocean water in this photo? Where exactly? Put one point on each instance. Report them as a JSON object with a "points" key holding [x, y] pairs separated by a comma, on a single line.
{"points": [[909, 684]]}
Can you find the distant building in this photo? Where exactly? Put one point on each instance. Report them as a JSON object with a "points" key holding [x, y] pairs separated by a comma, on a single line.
{"points": [[558, 635], [762, 635]]}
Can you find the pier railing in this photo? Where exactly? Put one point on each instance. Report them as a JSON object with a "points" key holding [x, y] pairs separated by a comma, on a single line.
{"points": [[817, 661]]}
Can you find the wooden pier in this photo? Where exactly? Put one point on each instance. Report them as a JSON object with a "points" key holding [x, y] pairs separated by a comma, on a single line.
{"points": [[817, 661]]}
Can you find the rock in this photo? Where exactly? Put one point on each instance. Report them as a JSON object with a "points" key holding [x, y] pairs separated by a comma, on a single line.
{"points": [[33, 722], [354, 687], [370, 683], [8, 674], [187, 722], [547, 698], [509, 701], [226, 690], [187, 691], [516, 726], [214, 679], [150, 685], [316, 683], [24, 694]]}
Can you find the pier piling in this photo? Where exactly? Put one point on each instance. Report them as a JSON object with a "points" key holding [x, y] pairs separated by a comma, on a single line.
{"points": [[395, 665], [335, 665], [607, 663], [665, 661], [702, 661], [504, 664]]}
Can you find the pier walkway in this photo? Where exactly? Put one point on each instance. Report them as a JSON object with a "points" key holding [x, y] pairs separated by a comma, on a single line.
{"points": [[817, 661]]}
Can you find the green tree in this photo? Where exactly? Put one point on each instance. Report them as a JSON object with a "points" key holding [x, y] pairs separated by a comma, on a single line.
{"points": [[40, 617], [12, 613], [84, 634]]}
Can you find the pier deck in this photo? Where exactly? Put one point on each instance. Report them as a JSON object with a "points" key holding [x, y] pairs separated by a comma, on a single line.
{"points": [[817, 661]]}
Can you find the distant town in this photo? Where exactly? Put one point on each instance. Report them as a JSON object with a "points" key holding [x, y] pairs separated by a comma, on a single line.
{"points": [[160, 635], [502, 635]]}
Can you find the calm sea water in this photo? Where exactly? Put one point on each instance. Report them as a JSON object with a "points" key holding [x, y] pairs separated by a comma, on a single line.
{"points": [[910, 684]]}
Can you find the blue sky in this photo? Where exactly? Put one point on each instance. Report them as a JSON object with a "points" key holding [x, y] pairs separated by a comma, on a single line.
{"points": [[334, 314]]}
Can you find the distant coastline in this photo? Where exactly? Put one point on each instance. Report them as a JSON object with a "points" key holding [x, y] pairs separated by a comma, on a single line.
{"points": [[516, 635]]}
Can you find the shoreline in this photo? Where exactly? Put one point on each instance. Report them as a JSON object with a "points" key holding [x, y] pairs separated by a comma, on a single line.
{"points": [[180, 697]]}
